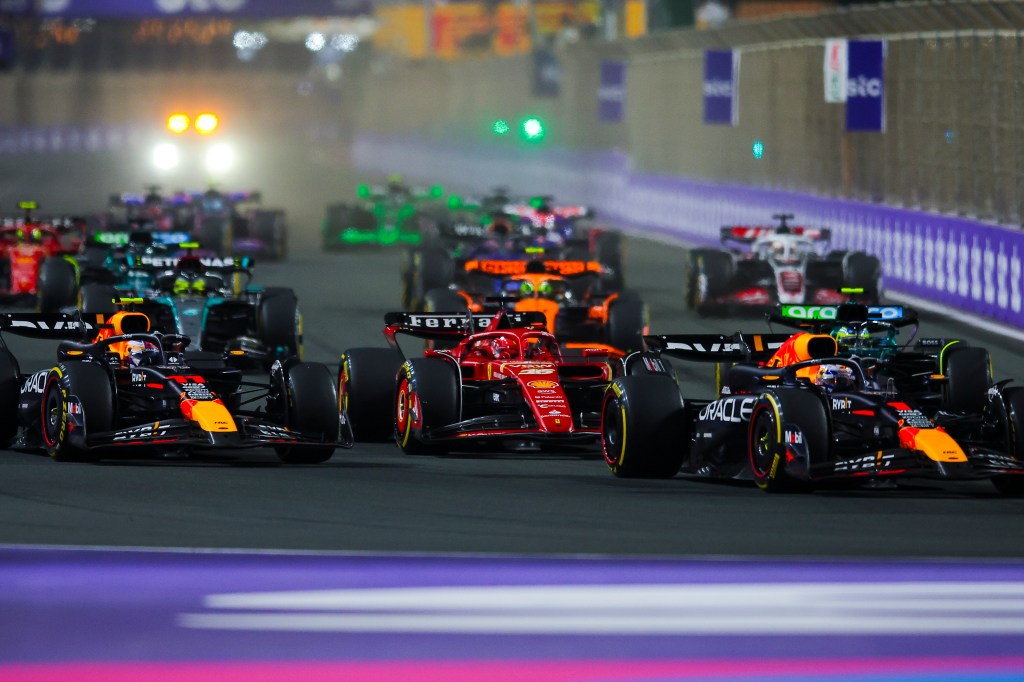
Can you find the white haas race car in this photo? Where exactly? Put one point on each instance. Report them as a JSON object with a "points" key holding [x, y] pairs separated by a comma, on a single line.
{"points": [[761, 266]]}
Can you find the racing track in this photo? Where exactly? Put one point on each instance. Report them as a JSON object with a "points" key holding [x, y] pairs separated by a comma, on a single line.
{"points": [[373, 498]]}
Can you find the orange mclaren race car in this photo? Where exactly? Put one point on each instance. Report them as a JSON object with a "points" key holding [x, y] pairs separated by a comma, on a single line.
{"points": [[576, 308]]}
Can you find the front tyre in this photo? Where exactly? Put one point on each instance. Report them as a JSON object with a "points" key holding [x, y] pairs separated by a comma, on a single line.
{"points": [[427, 397], [77, 397], [787, 423], [366, 384], [311, 411], [279, 323], [644, 431]]}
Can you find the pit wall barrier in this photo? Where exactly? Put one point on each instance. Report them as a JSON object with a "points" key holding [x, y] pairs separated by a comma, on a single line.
{"points": [[951, 262]]}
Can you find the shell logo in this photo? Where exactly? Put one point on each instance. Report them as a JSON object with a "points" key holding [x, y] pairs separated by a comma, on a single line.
{"points": [[543, 384]]}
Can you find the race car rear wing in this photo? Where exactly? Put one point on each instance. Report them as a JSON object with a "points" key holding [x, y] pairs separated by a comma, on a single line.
{"points": [[210, 264], [504, 268], [47, 325], [454, 325], [821, 319], [747, 234], [122, 237], [738, 347]]}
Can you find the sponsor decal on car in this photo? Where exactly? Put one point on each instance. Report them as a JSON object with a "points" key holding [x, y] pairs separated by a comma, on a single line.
{"points": [[734, 410], [542, 384], [36, 382]]}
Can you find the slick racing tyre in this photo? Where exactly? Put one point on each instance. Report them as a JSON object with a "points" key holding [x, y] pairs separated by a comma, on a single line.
{"points": [[1012, 415], [644, 431], [444, 301], [781, 416], [97, 299], [968, 372], [864, 271], [427, 398], [215, 234], [56, 284], [75, 394], [9, 392], [366, 384], [608, 249], [627, 323], [270, 229], [710, 276], [279, 323], [431, 268], [310, 411]]}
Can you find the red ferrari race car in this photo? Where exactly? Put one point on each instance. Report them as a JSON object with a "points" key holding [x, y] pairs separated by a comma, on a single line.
{"points": [[505, 381], [32, 258]]}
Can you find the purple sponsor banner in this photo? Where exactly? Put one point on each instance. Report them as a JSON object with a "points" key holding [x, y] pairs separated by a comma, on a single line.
{"points": [[962, 264], [134, 9], [720, 85], [865, 86], [611, 95]]}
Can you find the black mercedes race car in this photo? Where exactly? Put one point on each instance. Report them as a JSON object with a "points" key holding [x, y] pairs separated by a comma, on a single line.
{"points": [[116, 387], [791, 414]]}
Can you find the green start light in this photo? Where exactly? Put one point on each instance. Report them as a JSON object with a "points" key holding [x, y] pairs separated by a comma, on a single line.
{"points": [[533, 129], [501, 127], [757, 149]]}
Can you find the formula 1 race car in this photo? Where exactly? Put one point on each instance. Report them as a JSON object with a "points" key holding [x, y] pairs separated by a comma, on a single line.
{"points": [[439, 261], [568, 293], [237, 223], [121, 388], [792, 413], [383, 215], [506, 380], [36, 258], [207, 299], [762, 266]]}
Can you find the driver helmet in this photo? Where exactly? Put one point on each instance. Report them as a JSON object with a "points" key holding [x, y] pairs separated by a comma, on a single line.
{"points": [[834, 377], [501, 348], [849, 336], [136, 352]]}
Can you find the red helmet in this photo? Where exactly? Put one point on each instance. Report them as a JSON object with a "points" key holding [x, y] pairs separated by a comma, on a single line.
{"points": [[502, 348]]}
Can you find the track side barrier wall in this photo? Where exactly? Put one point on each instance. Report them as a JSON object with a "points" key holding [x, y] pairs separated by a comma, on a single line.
{"points": [[966, 265]]}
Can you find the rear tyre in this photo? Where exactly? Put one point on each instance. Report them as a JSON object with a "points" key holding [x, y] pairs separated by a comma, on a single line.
{"points": [[279, 323], [711, 275], [432, 268], [270, 229], [644, 432], [968, 372], [215, 235], [775, 413], [97, 299], [366, 385], [427, 397], [310, 411], [627, 323], [57, 285], [9, 393], [90, 384], [864, 271]]}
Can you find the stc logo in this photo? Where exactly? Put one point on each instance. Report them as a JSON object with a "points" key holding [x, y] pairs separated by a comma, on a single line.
{"points": [[718, 88], [176, 6], [864, 87]]}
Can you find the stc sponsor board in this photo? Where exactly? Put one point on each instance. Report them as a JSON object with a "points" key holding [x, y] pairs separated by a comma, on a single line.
{"points": [[721, 87], [865, 86], [611, 95]]}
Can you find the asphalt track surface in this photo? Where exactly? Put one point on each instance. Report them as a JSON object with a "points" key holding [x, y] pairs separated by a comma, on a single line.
{"points": [[501, 566]]}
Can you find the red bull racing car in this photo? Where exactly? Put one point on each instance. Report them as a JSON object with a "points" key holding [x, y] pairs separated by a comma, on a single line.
{"points": [[117, 388], [793, 413], [505, 380]]}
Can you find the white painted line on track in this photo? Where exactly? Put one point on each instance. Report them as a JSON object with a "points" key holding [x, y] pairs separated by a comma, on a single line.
{"points": [[769, 608]]}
